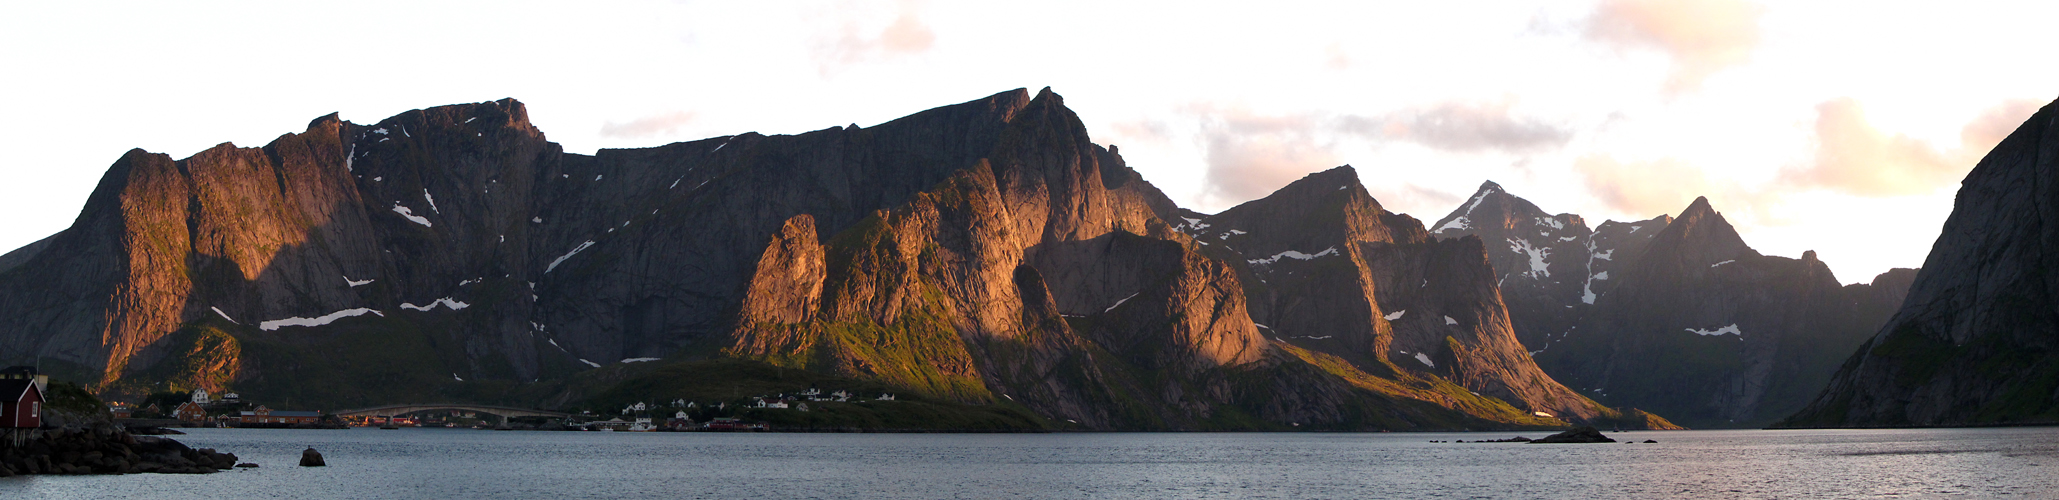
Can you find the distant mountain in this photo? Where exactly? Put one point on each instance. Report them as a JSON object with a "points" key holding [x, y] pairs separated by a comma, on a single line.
{"points": [[986, 260], [1977, 340], [1678, 316], [1551, 268]]}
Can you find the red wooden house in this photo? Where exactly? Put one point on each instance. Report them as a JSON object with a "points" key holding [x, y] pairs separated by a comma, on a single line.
{"points": [[21, 397]]}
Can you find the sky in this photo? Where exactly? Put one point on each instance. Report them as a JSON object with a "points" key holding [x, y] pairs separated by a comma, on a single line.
{"points": [[1842, 127]]}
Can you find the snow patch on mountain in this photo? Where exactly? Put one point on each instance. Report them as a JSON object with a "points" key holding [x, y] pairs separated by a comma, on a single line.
{"points": [[1119, 302], [1728, 330], [316, 321], [218, 310], [1290, 254], [561, 259], [1538, 268], [1396, 315], [445, 302], [410, 214]]}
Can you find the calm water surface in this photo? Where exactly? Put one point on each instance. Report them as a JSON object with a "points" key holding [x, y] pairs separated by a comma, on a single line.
{"points": [[444, 463]]}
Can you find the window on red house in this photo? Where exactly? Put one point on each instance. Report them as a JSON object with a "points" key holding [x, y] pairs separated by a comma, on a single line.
{"points": [[36, 409]]}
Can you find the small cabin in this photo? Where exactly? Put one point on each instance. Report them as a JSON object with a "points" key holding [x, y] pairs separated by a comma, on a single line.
{"points": [[190, 412], [21, 397]]}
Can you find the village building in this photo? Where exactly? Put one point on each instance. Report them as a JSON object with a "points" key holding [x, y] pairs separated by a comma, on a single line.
{"points": [[263, 415], [200, 396], [21, 397], [121, 410], [190, 412]]}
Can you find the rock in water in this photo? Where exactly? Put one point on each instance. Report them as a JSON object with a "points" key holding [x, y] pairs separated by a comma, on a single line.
{"points": [[1578, 435], [311, 458]]}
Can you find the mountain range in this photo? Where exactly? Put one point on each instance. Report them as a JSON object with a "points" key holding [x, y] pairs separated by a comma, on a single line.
{"points": [[1677, 315], [986, 260], [985, 255]]}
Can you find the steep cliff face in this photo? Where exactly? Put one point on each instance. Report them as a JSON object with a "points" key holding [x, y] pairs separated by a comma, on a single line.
{"points": [[985, 254], [1974, 342]]}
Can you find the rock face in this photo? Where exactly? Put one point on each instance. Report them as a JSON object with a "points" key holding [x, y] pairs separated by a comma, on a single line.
{"points": [[1677, 316], [981, 253], [1976, 342]]}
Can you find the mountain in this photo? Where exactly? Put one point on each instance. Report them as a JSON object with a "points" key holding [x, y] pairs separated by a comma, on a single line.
{"points": [[1330, 270], [987, 260], [1675, 315], [1552, 277], [1976, 342]]}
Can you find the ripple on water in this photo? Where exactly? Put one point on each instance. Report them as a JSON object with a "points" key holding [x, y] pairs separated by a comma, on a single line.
{"points": [[417, 463]]}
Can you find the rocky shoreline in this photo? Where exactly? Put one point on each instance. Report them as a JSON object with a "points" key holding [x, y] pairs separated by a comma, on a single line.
{"points": [[102, 448]]}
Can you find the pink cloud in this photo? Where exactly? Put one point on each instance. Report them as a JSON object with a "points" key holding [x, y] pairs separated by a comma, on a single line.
{"points": [[1463, 126], [1701, 36], [655, 125], [1645, 188], [907, 35], [1855, 157], [1250, 155]]}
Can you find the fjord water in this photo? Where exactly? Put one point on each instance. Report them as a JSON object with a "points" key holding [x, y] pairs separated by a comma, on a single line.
{"points": [[423, 463]]}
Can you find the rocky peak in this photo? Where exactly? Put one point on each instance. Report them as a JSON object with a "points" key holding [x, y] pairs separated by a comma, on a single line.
{"points": [[1699, 239], [1320, 211]]}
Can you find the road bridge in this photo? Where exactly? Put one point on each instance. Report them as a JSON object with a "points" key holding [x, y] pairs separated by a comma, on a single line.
{"points": [[397, 410]]}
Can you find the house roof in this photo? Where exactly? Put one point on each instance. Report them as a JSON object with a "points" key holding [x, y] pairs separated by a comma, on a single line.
{"points": [[285, 413], [13, 389]]}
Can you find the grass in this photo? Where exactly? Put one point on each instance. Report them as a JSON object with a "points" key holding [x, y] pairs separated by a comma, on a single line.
{"points": [[735, 382]]}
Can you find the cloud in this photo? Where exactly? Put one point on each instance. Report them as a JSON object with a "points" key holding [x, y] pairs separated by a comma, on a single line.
{"points": [[1334, 56], [1251, 155], [1996, 123], [1701, 36], [659, 124], [1851, 157], [1463, 126], [1646, 188], [906, 35], [1854, 157]]}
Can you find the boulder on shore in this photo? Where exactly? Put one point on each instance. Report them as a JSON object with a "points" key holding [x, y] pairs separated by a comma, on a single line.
{"points": [[1578, 435]]}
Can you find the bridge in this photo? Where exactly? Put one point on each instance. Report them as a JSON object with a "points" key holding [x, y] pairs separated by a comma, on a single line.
{"points": [[396, 410]]}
